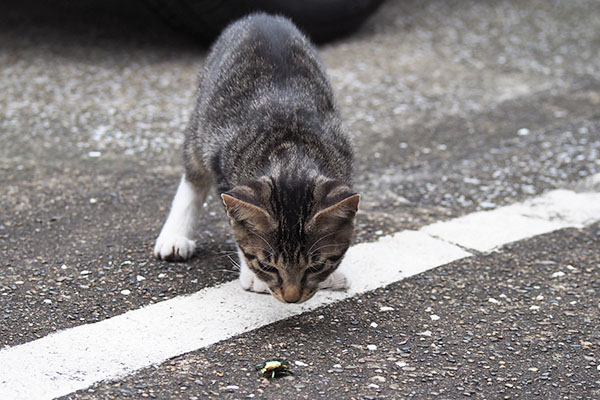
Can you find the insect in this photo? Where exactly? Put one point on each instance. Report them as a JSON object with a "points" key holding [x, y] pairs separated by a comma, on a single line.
{"points": [[274, 369]]}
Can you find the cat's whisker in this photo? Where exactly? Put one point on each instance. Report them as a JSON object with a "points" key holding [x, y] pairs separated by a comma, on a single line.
{"points": [[327, 245], [264, 240], [237, 265], [323, 237], [228, 254]]}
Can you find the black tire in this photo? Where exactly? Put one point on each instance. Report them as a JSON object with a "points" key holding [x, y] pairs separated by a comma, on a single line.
{"points": [[321, 20]]}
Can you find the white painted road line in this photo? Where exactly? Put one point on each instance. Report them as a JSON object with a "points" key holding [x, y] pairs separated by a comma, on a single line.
{"points": [[486, 230], [76, 358]]}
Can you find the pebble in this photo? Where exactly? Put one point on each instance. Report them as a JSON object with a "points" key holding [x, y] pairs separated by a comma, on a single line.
{"points": [[386, 308], [373, 325], [493, 300], [85, 272], [125, 292], [534, 308], [378, 378], [300, 364], [371, 347], [487, 204], [401, 364], [232, 388], [373, 386], [434, 317], [425, 333], [47, 301], [93, 200], [523, 132], [140, 278], [94, 154], [558, 274]]}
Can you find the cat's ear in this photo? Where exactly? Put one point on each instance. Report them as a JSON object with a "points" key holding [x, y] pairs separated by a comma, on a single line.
{"points": [[241, 208], [342, 211]]}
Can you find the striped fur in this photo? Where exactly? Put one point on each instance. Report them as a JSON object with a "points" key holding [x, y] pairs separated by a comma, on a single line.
{"points": [[266, 132]]}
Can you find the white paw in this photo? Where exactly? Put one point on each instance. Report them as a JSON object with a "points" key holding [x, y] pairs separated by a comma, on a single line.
{"points": [[174, 248], [249, 281], [336, 281]]}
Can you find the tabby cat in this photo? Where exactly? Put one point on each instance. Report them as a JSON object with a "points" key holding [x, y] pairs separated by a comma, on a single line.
{"points": [[267, 134]]}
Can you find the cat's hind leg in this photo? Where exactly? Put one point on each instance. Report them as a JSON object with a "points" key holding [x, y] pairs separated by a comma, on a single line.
{"points": [[174, 242]]}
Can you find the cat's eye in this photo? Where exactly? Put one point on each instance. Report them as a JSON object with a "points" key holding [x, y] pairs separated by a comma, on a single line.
{"points": [[267, 268], [316, 268]]}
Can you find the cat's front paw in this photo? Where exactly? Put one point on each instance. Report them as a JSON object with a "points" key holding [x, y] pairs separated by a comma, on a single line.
{"points": [[174, 248], [250, 282], [336, 281]]}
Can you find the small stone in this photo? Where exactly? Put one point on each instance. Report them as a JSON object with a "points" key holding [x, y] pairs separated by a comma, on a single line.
{"points": [[94, 154], [425, 333], [19, 282], [386, 308], [558, 274], [539, 297], [337, 366], [85, 272], [125, 292], [532, 369], [232, 388], [487, 204], [373, 386], [93, 200], [47, 301], [493, 300], [300, 364], [378, 378], [434, 317], [299, 386], [371, 347], [523, 132], [373, 325], [140, 278], [534, 308]]}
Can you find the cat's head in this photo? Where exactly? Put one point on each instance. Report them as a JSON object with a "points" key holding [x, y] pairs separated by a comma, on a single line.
{"points": [[292, 233]]}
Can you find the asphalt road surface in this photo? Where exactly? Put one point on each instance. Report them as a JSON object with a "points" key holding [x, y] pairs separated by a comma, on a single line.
{"points": [[455, 107]]}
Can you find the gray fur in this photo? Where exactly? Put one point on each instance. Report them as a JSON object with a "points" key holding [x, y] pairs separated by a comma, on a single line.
{"points": [[266, 131]]}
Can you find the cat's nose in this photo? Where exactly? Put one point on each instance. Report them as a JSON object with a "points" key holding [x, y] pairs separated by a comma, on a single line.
{"points": [[291, 294]]}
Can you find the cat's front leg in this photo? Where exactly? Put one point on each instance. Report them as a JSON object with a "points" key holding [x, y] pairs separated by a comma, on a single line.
{"points": [[336, 281], [249, 281], [174, 243]]}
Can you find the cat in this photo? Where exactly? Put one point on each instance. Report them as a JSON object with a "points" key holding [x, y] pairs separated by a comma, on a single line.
{"points": [[267, 134]]}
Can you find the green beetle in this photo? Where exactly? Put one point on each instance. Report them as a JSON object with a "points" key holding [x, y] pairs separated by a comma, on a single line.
{"points": [[274, 369]]}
